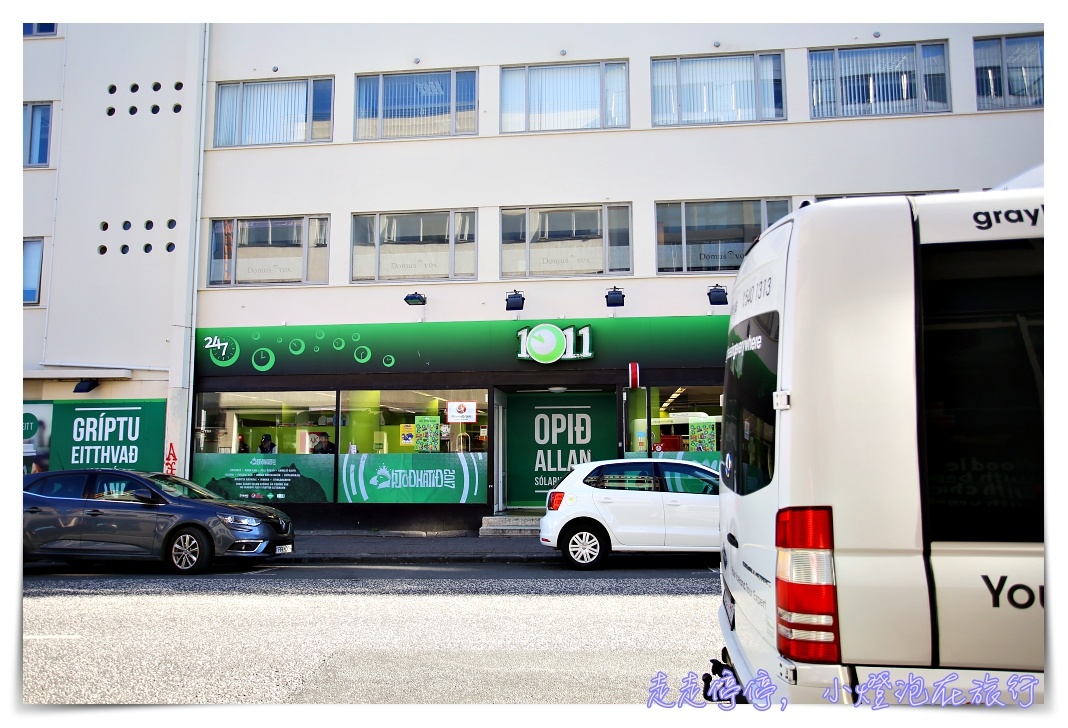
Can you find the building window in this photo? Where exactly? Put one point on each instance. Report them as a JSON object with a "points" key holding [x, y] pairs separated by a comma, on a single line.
{"points": [[565, 241], [551, 98], [35, 30], [36, 131], [1010, 72], [905, 79], [710, 236], [269, 250], [717, 90], [32, 259], [413, 245], [439, 103], [274, 112]]}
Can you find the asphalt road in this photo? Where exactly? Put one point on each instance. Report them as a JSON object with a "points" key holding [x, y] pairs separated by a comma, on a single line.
{"points": [[383, 635]]}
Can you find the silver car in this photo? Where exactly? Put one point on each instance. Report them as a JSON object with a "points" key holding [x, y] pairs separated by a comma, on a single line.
{"points": [[71, 515]]}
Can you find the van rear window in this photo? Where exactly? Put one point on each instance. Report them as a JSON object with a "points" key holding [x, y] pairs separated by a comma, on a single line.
{"points": [[982, 428], [750, 380]]}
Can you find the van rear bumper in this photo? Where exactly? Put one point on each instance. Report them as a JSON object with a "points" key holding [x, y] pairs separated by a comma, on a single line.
{"points": [[874, 686]]}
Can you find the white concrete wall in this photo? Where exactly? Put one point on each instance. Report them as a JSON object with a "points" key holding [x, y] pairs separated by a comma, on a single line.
{"points": [[799, 158]]}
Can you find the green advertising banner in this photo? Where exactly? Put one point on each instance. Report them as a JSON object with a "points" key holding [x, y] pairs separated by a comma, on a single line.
{"points": [[266, 478], [668, 342], [413, 478], [115, 433], [708, 459], [548, 433]]}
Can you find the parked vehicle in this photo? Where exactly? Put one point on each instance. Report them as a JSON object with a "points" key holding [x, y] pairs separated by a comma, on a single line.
{"points": [[117, 514], [882, 470], [638, 504]]}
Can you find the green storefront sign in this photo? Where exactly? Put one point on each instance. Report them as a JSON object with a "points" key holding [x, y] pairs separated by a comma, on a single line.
{"points": [[612, 343], [548, 433], [117, 433], [413, 478]]}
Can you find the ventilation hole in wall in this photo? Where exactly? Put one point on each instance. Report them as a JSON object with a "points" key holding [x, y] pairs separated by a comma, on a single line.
{"points": [[103, 226], [112, 89], [171, 224], [133, 88], [133, 110], [148, 247], [111, 111], [155, 109], [102, 249], [126, 225], [148, 224], [124, 249], [170, 247], [157, 86], [177, 108], [178, 86]]}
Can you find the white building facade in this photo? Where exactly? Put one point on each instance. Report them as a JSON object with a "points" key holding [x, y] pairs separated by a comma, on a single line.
{"points": [[222, 224]]}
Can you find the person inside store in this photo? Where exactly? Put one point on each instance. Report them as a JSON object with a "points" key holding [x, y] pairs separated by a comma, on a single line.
{"points": [[267, 445], [242, 446], [324, 446]]}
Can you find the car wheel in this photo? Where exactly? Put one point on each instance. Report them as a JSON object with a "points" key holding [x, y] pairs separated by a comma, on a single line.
{"points": [[188, 552], [585, 546]]}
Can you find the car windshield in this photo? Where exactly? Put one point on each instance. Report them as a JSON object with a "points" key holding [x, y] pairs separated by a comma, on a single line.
{"points": [[172, 485]]}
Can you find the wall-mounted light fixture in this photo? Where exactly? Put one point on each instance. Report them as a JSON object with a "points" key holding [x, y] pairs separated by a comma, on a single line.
{"points": [[614, 297], [415, 299], [86, 385], [514, 301], [717, 295]]}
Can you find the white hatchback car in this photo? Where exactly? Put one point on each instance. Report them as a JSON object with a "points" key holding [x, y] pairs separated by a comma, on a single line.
{"points": [[636, 504]]}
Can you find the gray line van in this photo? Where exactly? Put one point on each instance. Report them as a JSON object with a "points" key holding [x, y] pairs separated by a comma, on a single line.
{"points": [[882, 475]]}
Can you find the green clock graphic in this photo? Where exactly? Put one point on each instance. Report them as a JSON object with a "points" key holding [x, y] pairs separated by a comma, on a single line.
{"points": [[262, 359], [224, 356], [546, 343]]}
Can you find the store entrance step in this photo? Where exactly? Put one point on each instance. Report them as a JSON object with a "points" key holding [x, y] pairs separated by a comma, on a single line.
{"points": [[509, 525]]}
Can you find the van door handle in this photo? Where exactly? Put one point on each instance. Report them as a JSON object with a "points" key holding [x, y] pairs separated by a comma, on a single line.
{"points": [[732, 540]]}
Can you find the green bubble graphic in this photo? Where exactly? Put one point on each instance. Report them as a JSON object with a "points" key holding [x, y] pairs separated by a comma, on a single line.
{"points": [[362, 354], [339, 343], [296, 347]]}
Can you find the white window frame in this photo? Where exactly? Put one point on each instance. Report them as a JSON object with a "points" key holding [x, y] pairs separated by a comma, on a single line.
{"points": [[471, 231], [323, 224], [30, 132], [760, 105], [380, 119], [841, 110], [36, 32], [38, 259], [240, 133], [684, 254], [603, 94], [530, 226], [988, 102]]}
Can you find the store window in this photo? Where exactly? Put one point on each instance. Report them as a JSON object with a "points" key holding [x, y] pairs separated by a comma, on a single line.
{"points": [[560, 241], [413, 245], [269, 251], [554, 98], [1010, 73], [438, 103], [274, 112], [900, 79], [678, 422], [709, 236], [717, 90], [32, 260], [35, 30], [367, 446], [36, 131]]}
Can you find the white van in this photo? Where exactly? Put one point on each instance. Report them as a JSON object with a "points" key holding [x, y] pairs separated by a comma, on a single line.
{"points": [[882, 503]]}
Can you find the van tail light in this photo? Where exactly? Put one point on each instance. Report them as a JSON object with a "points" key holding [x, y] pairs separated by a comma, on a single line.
{"points": [[806, 597], [555, 498]]}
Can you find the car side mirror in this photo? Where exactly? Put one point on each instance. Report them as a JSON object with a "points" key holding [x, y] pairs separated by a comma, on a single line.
{"points": [[143, 494]]}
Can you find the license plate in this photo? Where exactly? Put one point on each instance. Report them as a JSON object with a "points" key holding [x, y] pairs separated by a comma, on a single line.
{"points": [[287, 549], [728, 606]]}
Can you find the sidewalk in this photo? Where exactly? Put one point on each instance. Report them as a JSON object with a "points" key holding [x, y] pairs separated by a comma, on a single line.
{"points": [[413, 547]]}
